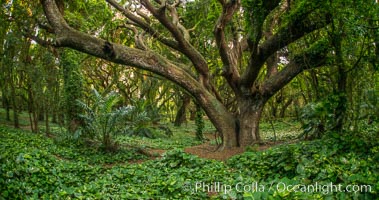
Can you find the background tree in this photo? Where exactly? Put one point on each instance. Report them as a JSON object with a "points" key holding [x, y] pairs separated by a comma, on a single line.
{"points": [[73, 87]]}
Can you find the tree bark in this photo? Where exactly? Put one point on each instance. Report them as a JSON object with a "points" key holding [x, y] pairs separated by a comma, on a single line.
{"points": [[284, 108], [340, 111], [250, 111], [7, 107], [181, 115], [32, 110], [47, 125], [14, 104]]}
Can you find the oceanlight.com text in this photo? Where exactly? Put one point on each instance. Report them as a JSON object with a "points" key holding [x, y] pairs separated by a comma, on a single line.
{"points": [[324, 188]]}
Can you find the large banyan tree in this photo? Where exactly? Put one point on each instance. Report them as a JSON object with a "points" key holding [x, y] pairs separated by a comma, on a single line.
{"points": [[246, 36]]}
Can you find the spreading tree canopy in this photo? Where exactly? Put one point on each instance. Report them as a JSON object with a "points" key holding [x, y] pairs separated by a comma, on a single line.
{"points": [[254, 47]]}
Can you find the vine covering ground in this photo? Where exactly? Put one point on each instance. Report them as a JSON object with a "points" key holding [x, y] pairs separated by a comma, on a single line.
{"points": [[34, 166]]}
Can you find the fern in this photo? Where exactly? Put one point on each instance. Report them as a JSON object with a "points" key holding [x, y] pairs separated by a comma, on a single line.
{"points": [[100, 120], [103, 121]]}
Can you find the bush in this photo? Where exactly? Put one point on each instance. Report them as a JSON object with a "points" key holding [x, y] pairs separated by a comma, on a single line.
{"points": [[101, 120]]}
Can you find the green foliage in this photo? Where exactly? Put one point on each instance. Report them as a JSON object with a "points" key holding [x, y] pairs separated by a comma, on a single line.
{"points": [[370, 106], [338, 159], [280, 130], [101, 120], [34, 167], [319, 117], [304, 11], [181, 137], [88, 15], [73, 86], [142, 118], [255, 14]]}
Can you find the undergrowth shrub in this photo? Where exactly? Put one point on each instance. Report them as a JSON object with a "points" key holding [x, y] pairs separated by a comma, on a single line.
{"points": [[319, 117], [103, 120]]}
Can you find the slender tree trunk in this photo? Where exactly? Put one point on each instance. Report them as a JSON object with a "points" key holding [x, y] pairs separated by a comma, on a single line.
{"points": [[72, 80], [181, 114], [34, 110], [30, 108], [340, 111], [47, 125], [297, 111], [54, 117], [35, 121], [192, 114], [342, 100], [274, 108], [41, 113], [14, 106], [31, 121], [35, 107], [284, 108], [30, 111], [315, 85], [7, 107]]}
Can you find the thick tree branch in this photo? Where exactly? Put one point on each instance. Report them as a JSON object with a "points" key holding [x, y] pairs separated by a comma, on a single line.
{"points": [[144, 16], [176, 22], [147, 60], [144, 24], [291, 33], [177, 32], [229, 56], [296, 29], [182, 40], [315, 56], [258, 12], [68, 37]]}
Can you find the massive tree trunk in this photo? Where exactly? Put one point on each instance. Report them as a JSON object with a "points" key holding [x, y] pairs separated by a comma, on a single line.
{"points": [[222, 119], [250, 111]]}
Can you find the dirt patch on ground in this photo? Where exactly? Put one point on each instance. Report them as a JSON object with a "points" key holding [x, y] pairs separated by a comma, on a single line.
{"points": [[209, 151], [157, 152]]}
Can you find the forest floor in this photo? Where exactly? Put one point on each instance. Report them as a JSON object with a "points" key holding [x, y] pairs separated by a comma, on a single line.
{"points": [[208, 150], [53, 166], [205, 150], [184, 138]]}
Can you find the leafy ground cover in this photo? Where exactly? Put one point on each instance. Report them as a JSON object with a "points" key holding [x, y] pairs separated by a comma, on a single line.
{"points": [[35, 167]]}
